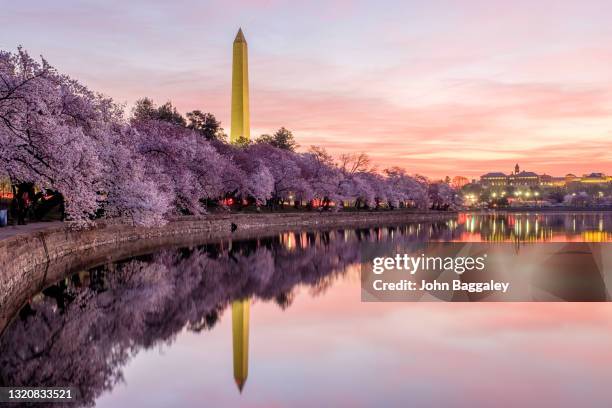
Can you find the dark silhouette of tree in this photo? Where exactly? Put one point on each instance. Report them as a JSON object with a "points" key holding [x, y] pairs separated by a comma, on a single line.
{"points": [[557, 194], [282, 138], [354, 163], [242, 142], [145, 109], [168, 113], [205, 124]]}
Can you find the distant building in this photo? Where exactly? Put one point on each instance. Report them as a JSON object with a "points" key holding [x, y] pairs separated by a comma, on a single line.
{"points": [[570, 178], [519, 178], [494, 179], [550, 181], [524, 178], [546, 180], [596, 178]]}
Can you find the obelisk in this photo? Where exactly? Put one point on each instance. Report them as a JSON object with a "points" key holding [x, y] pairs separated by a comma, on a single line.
{"points": [[240, 340], [241, 127]]}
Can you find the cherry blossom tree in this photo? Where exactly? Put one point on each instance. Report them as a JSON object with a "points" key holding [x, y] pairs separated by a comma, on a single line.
{"points": [[246, 178], [59, 139], [42, 140], [403, 189], [320, 172], [284, 169], [443, 196], [182, 163]]}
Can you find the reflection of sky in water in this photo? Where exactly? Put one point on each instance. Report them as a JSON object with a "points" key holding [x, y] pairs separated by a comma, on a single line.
{"points": [[312, 341], [334, 350]]}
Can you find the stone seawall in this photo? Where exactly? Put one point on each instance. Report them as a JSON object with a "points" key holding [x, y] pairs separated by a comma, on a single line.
{"points": [[30, 262]]}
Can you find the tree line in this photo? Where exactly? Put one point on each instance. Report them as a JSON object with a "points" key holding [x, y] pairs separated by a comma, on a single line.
{"points": [[63, 144]]}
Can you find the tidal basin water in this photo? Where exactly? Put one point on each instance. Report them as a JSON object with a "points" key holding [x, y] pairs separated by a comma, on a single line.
{"points": [[278, 321]]}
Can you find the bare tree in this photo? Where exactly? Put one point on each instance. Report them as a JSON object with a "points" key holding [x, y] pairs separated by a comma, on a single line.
{"points": [[351, 163]]}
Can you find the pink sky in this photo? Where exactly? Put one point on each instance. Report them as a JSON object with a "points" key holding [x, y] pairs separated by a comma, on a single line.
{"points": [[439, 88], [427, 354]]}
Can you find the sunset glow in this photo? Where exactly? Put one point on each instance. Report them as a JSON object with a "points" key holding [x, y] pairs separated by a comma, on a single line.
{"points": [[439, 89]]}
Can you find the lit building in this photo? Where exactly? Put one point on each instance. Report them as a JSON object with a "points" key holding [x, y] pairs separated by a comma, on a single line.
{"points": [[494, 179], [596, 178], [570, 178], [524, 178], [515, 178], [547, 180], [530, 179]]}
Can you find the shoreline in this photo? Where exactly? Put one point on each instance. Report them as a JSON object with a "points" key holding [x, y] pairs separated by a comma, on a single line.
{"points": [[559, 210], [33, 260], [39, 256]]}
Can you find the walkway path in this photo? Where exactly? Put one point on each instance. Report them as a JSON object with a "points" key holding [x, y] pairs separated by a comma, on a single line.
{"points": [[9, 231]]}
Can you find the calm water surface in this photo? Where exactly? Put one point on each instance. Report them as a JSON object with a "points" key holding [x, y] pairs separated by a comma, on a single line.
{"points": [[278, 321]]}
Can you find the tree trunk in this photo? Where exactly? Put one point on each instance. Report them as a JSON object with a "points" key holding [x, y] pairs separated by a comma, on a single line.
{"points": [[23, 194]]}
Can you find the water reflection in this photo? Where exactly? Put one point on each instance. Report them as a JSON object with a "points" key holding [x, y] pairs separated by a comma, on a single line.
{"points": [[240, 340], [84, 330], [111, 312], [531, 227]]}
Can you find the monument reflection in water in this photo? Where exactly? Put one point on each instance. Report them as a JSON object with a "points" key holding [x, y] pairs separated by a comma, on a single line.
{"points": [[86, 329]]}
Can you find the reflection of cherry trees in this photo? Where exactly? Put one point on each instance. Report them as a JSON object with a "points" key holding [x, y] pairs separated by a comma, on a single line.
{"points": [[82, 330]]}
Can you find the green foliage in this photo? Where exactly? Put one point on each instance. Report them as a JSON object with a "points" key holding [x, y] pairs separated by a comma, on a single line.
{"points": [[168, 113], [145, 109], [282, 138], [242, 142], [205, 124]]}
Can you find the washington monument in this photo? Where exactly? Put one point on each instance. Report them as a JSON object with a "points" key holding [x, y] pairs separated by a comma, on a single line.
{"points": [[240, 340], [240, 90], [241, 128]]}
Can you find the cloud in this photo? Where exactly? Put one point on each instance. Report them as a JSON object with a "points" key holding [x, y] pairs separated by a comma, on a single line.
{"points": [[460, 90]]}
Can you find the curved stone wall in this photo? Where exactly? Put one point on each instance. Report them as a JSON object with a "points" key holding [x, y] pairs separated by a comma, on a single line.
{"points": [[29, 263]]}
